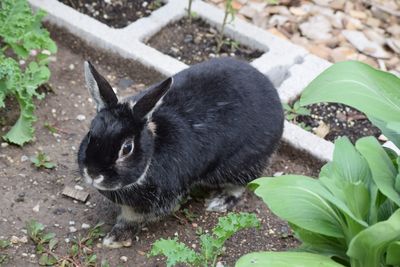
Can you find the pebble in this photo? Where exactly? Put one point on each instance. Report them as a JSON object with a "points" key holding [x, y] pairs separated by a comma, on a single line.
{"points": [[317, 28], [72, 229], [85, 226], [24, 254], [24, 158], [124, 258], [81, 117], [4, 145], [36, 208], [361, 42], [71, 66], [71, 222]]}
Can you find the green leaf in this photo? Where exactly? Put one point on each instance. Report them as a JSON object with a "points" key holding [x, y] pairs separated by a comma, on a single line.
{"points": [[320, 244], [74, 250], [370, 245], [302, 204], [47, 237], [53, 243], [176, 252], [4, 244], [393, 254], [285, 259], [34, 229], [47, 260], [358, 85], [383, 171]]}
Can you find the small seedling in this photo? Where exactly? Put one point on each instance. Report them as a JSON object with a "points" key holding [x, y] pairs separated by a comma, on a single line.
{"points": [[211, 244], [230, 11], [45, 243], [41, 160], [79, 254], [3, 245], [155, 5], [292, 112], [50, 127], [190, 216]]}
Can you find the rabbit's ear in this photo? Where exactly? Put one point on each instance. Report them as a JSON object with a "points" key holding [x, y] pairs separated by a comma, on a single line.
{"points": [[101, 91], [145, 106]]}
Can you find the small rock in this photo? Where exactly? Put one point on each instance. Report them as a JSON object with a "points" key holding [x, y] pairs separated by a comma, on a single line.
{"points": [[320, 50], [188, 38], [342, 53], [298, 11], [394, 30], [247, 11], [358, 14], [81, 117], [24, 254], [72, 229], [316, 28], [361, 42], [71, 222], [373, 22], [14, 239], [71, 66], [278, 20], [219, 264], [85, 226], [375, 36], [36, 208], [394, 45], [124, 258], [4, 144], [24, 158], [278, 174]]}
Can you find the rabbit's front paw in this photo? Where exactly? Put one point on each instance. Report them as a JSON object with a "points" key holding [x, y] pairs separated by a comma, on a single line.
{"points": [[120, 235]]}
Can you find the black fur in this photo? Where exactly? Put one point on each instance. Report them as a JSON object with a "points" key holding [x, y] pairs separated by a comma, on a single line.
{"points": [[217, 125]]}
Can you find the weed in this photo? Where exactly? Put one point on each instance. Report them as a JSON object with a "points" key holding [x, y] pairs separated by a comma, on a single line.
{"points": [[41, 160], [295, 110], [211, 244]]}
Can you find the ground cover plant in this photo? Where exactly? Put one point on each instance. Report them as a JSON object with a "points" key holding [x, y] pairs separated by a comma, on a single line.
{"points": [[25, 49], [80, 252], [350, 216], [211, 244]]}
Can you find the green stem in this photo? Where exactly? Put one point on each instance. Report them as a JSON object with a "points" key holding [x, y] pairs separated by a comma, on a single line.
{"points": [[190, 11], [220, 39]]}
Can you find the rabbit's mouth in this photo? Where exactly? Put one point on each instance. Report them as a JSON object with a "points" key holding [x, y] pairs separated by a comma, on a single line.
{"points": [[97, 182]]}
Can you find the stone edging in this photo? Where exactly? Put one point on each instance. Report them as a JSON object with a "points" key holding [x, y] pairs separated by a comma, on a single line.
{"points": [[289, 66]]}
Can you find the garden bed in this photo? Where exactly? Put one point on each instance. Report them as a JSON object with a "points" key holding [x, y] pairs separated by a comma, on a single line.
{"points": [[196, 41], [29, 193], [116, 14], [332, 120]]}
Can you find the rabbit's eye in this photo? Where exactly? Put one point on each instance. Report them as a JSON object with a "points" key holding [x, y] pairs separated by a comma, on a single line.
{"points": [[126, 149]]}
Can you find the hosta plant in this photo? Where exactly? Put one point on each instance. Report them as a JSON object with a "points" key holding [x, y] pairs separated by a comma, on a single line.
{"points": [[25, 48], [350, 216]]}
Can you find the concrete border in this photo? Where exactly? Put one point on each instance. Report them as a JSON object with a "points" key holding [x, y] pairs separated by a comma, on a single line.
{"points": [[289, 66]]}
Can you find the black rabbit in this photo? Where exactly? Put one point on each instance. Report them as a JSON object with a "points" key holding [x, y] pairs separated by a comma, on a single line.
{"points": [[214, 124]]}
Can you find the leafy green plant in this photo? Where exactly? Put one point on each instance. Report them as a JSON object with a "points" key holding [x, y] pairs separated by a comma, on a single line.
{"points": [[3, 245], [351, 213], [80, 253], [211, 244], [26, 47], [45, 242], [294, 110], [41, 160]]}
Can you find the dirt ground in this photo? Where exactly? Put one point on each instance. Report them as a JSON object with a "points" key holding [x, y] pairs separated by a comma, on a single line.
{"points": [[196, 41], [24, 187]]}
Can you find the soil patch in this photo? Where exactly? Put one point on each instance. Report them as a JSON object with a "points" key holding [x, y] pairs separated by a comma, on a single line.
{"points": [[341, 119], [24, 187], [116, 14], [196, 42]]}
